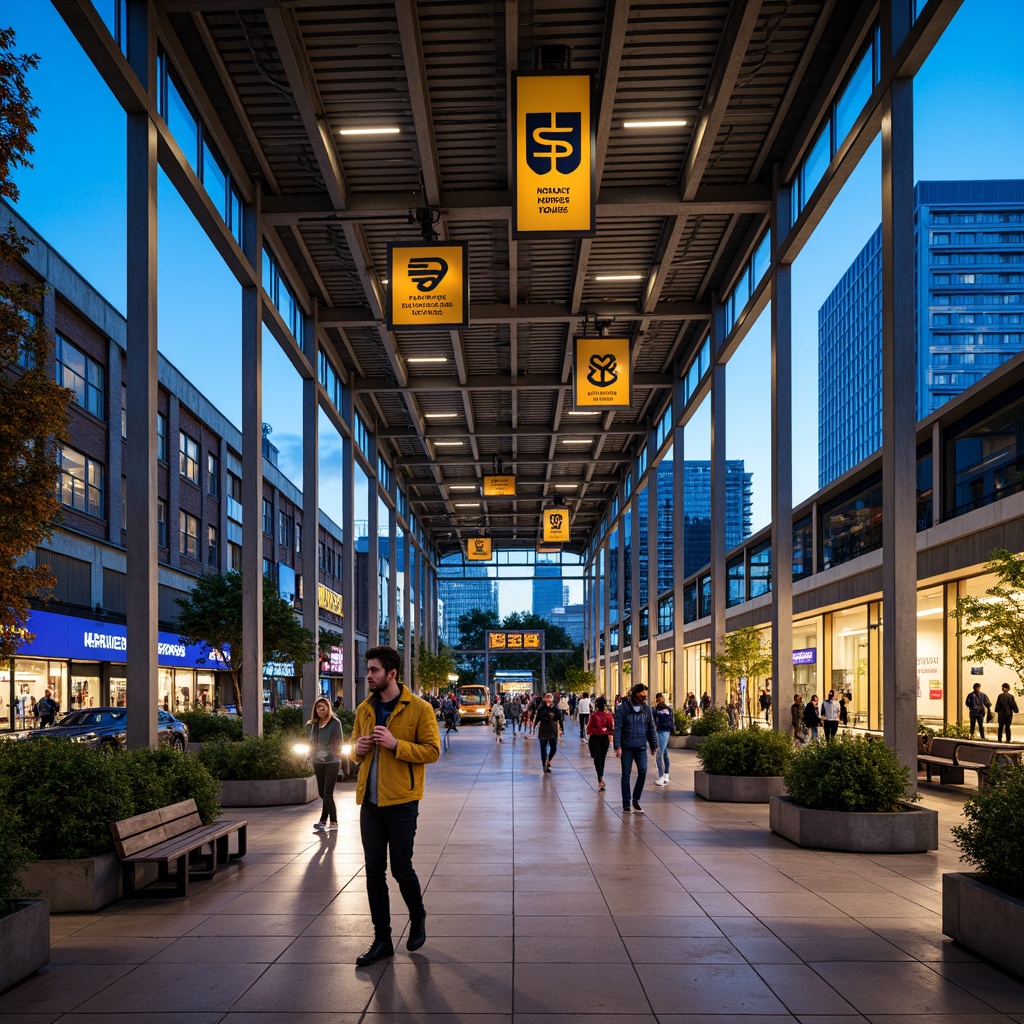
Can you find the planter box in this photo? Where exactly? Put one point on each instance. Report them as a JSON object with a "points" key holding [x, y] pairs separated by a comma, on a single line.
{"points": [[738, 789], [76, 886], [911, 830], [24, 941], [984, 919], [685, 742], [269, 793]]}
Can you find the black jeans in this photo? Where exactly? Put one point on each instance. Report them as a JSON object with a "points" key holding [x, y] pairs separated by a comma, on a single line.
{"points": [[1005, 725], [326, 779], [583, 724], [390, 831], [599, 751], [978, 720], [547, 749], [831, 727]]}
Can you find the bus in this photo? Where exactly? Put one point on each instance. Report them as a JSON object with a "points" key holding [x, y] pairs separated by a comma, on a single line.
{"points": [[474, 702]]}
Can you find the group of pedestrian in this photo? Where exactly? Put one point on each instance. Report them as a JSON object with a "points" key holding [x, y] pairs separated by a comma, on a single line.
{"points": [[980, 711], [811, 722]]}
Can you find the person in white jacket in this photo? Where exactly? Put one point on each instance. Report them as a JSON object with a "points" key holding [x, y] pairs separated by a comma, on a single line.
{"points": [[830, 715]]}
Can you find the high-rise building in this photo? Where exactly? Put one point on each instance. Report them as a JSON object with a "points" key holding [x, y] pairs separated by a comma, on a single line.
{"points": [[463, 588], [547, 588], [970, 304]]}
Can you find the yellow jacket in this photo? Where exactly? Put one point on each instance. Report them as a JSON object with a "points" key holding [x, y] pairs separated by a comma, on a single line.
{"points": [[400, 772]]}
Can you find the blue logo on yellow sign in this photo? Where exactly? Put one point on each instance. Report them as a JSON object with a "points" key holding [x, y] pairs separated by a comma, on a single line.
{"points": [[554, 141]]}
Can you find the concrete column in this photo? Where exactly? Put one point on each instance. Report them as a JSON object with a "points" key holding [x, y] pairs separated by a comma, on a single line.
{"points": [[372, 557], [348, 547], [633, 525], [141, 379], [678, 531], [407, 553], [310, 510], [899, 414], [115, 469], [252, 478], [222, 523], [393, 571], [782, 464], [606, 619], [718, 502], [174, 480]]}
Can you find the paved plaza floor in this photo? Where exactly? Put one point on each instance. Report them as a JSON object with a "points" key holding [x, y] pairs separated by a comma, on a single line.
{"points": [[545, 903]]}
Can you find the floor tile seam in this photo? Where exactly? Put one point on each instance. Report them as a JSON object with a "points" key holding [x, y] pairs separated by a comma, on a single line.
{"points": [[933, 965]]}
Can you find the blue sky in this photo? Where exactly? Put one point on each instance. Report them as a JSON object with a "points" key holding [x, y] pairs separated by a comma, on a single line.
{"points": [[968, 125]]}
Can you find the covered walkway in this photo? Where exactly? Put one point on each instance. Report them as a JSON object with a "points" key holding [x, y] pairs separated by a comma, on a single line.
{"points": [[545, 903]]}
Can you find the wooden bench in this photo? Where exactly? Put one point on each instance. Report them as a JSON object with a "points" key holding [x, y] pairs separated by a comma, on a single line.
{"points": [[174, 834], [951, 757]]}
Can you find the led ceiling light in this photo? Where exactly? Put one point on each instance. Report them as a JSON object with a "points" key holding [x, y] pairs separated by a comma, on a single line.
{"points": [[461, 487], [581, 440], [619, 277], [655, 124], [583, 412], [377, 130], [566, 487], [440, 415], [448, 444], [427, 359], [467, 504]]}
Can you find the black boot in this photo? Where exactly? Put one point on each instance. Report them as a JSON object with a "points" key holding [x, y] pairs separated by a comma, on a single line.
{"points": [[379, 949], [417, 934]]}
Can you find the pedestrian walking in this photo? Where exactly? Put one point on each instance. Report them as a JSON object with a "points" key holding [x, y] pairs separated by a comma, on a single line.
{"points": [[812, 719], [978, 703], [797, 712], [634, 734], [549, 728], [515, 716], [396, 736], [1006, 708], [765, 703], [583, 709], [830, 712], [600, 727], [498, 721], [664, 720], [690, 706], [48, 709], [324, 732], [705, 702]]}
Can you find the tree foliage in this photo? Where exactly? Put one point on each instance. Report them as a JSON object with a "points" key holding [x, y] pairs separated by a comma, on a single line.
{"points": [[432, 670], [993, 626], [745, 653], [33, 408], [579, 680], [211, 616]]}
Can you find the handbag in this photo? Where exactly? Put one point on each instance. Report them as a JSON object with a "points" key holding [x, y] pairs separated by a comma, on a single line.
{"points": [[990, 716]]}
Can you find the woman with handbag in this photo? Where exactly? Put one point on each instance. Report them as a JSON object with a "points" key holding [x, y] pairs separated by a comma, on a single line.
{"points": [[325, 736]]}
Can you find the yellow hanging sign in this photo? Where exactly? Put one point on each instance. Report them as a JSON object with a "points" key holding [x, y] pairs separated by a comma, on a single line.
{"points": [[554, 160], [502, 486], [556, 525], [601, 373], [478, 549], [428, 286]]}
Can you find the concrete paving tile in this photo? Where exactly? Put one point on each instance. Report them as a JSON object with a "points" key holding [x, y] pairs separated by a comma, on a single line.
{"points": [[459, 950], [542, 988], [884, 904], [715, 1018], [308, 1017], [570, 949], [879, 988], [340, 924], [999, 990], [672, 950], [253, 924], [210, 1017], [723, 989], [430, 1018], [280, 903], [59, 988], [309, 988], [663, 903], [538, 903], [223, 949], [443, 989], [781, 904], [958, 1018], [866, 948], [834, 927], [683, 927], [560, 926], [326, 949], [469, 924], [760, 950], [586, 1018], [107, 949], [149, 925], [720, 904], [188, 988], [746, 927], [801, 990], [31, 1018]]}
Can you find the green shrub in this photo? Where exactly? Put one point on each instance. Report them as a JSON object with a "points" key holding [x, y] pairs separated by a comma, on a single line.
{"points": [[164, 776], [847, 774], [993, 837], [927, 730], [683, 722], [14, 855], [256, 758], [711, 721], [752, 751], [347, 719], [203, 726], [956, 731], [287, 721]]}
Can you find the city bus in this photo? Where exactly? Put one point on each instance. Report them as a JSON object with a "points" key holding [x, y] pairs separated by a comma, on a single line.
{"points": [[474, 702]]}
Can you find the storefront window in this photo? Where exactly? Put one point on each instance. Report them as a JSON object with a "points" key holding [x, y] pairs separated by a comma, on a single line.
{"points": [[118, 692], [806, 658], [988, 673], [31, 681], [5, 694], [666, 675], [931, 631], [696, 671], [184, 689], [165, 688], [850, 662], [85, 685], [206, 690]]}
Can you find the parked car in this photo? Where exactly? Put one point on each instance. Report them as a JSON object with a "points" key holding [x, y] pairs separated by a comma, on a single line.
{"points": [[106, 728]]}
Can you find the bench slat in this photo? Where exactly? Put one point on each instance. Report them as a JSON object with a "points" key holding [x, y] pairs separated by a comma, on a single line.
{"points": [[153, 836], [191, 840], [151, 819]]}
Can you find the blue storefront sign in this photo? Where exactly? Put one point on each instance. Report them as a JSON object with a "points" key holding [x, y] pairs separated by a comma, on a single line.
{"points": [[70, 638], [805, 656]]}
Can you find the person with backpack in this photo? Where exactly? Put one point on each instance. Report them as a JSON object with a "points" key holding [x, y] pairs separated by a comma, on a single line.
{"points": [[979, 706], [515, 714], [48, 709], [1006, 708]]}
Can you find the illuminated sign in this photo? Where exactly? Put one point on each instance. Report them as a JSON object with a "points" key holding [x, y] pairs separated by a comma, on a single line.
{"points": [[601, 373], [478, 549], [805, 656], [503, 486], [328, 600], [496, 640], [428, 286], [556, 525], [548, 549], [554, 160], [514, 641]]}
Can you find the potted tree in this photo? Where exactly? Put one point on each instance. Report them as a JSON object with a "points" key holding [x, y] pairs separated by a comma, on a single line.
{"points": [[743, 766], [985, 910], [745, 656], [850, 794], [24, 922]]}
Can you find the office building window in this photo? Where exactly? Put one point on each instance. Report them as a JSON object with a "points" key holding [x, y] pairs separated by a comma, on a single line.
{"points": [[161, 437], [84, 376], [298, 539], [189, 539], [81, 482], [161, 523], [124, 412], [235, 556], [212, 474], [212, 548], [235, 487], [188, 459], [268, 517], [268, 568], [285, 529]]}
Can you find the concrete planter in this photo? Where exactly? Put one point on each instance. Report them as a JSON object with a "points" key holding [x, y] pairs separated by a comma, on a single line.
{"points": [[685, 742], [268, 793], [24, 941], [984, 919], [75, 886], [910, 830], [738, 789]]}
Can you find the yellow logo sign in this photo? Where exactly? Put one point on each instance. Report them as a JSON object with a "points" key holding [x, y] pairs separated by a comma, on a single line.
{"points": [[531, 640], [556, 525], [496, 640], [328, 599], [554, 164], [514, 641], [428, 285], [503, 486], [601, 373], [478, 549]]}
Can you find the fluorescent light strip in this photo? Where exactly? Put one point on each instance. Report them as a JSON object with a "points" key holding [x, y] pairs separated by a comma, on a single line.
{"points": [[427, 359], [381, 130], [467, 504], [440, 415], [583, 412], [449, 444], [570, 440], [655, 124], [462, 487], [619, 277], [566, 487]]}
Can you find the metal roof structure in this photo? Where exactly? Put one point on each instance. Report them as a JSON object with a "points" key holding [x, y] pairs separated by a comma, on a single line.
{"points": [[681, 208]]}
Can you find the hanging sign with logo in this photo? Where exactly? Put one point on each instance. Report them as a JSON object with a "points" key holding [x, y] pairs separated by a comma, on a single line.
{"points": [[478, 549], [554, 162], [428, 286], [501, 486], [601, 373], [556, 525], [515, 641]]}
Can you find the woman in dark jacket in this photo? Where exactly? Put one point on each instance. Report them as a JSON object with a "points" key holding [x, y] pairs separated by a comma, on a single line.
{"points": [[600, 726], [324, 730], [1006, 708], [811, 717], [549, 728]]}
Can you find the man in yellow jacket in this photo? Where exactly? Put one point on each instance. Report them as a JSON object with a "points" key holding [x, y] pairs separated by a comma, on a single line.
{"points": [[396, 736]]}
